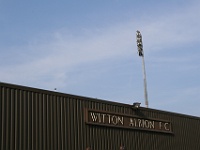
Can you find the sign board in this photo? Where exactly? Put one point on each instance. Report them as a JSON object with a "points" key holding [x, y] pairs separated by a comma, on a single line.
{"points": [[104, 118]]}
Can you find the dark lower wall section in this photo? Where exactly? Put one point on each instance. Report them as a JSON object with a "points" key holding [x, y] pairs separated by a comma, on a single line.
{"points": [[33, 119]]}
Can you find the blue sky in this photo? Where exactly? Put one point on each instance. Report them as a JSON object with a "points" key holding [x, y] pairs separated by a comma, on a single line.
{"points": [[88, 48]]}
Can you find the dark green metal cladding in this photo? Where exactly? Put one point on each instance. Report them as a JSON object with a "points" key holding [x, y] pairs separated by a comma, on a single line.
{"points": [[34, 119]]}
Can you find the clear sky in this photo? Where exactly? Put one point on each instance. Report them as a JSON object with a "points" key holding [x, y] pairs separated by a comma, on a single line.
{"points": [[88, 48]]}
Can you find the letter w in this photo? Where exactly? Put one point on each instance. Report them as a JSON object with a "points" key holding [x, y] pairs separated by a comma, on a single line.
{"points": [[94, 117]]}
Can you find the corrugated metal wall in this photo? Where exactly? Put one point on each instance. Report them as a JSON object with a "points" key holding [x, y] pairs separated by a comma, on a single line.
{"points": [[32, 119]]}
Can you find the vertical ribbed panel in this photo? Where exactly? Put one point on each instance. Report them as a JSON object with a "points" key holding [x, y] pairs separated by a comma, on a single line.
{"points": [[32, 119]]}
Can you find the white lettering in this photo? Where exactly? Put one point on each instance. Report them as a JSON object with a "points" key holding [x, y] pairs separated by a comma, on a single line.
{"points": [[165, 126], [114, 120], [103, 117], [121, 120], [108, 118], [131, 122], [139, 123], [160, 125], [135, 122], [146, 124], [99, 117], [94, 117], [152, 126]]}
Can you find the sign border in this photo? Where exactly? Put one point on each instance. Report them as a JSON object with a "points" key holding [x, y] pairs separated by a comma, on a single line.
{"points": [[86, 119]]}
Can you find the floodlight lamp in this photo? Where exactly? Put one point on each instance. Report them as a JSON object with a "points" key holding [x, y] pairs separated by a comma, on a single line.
{"points": [[136, 105]]}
